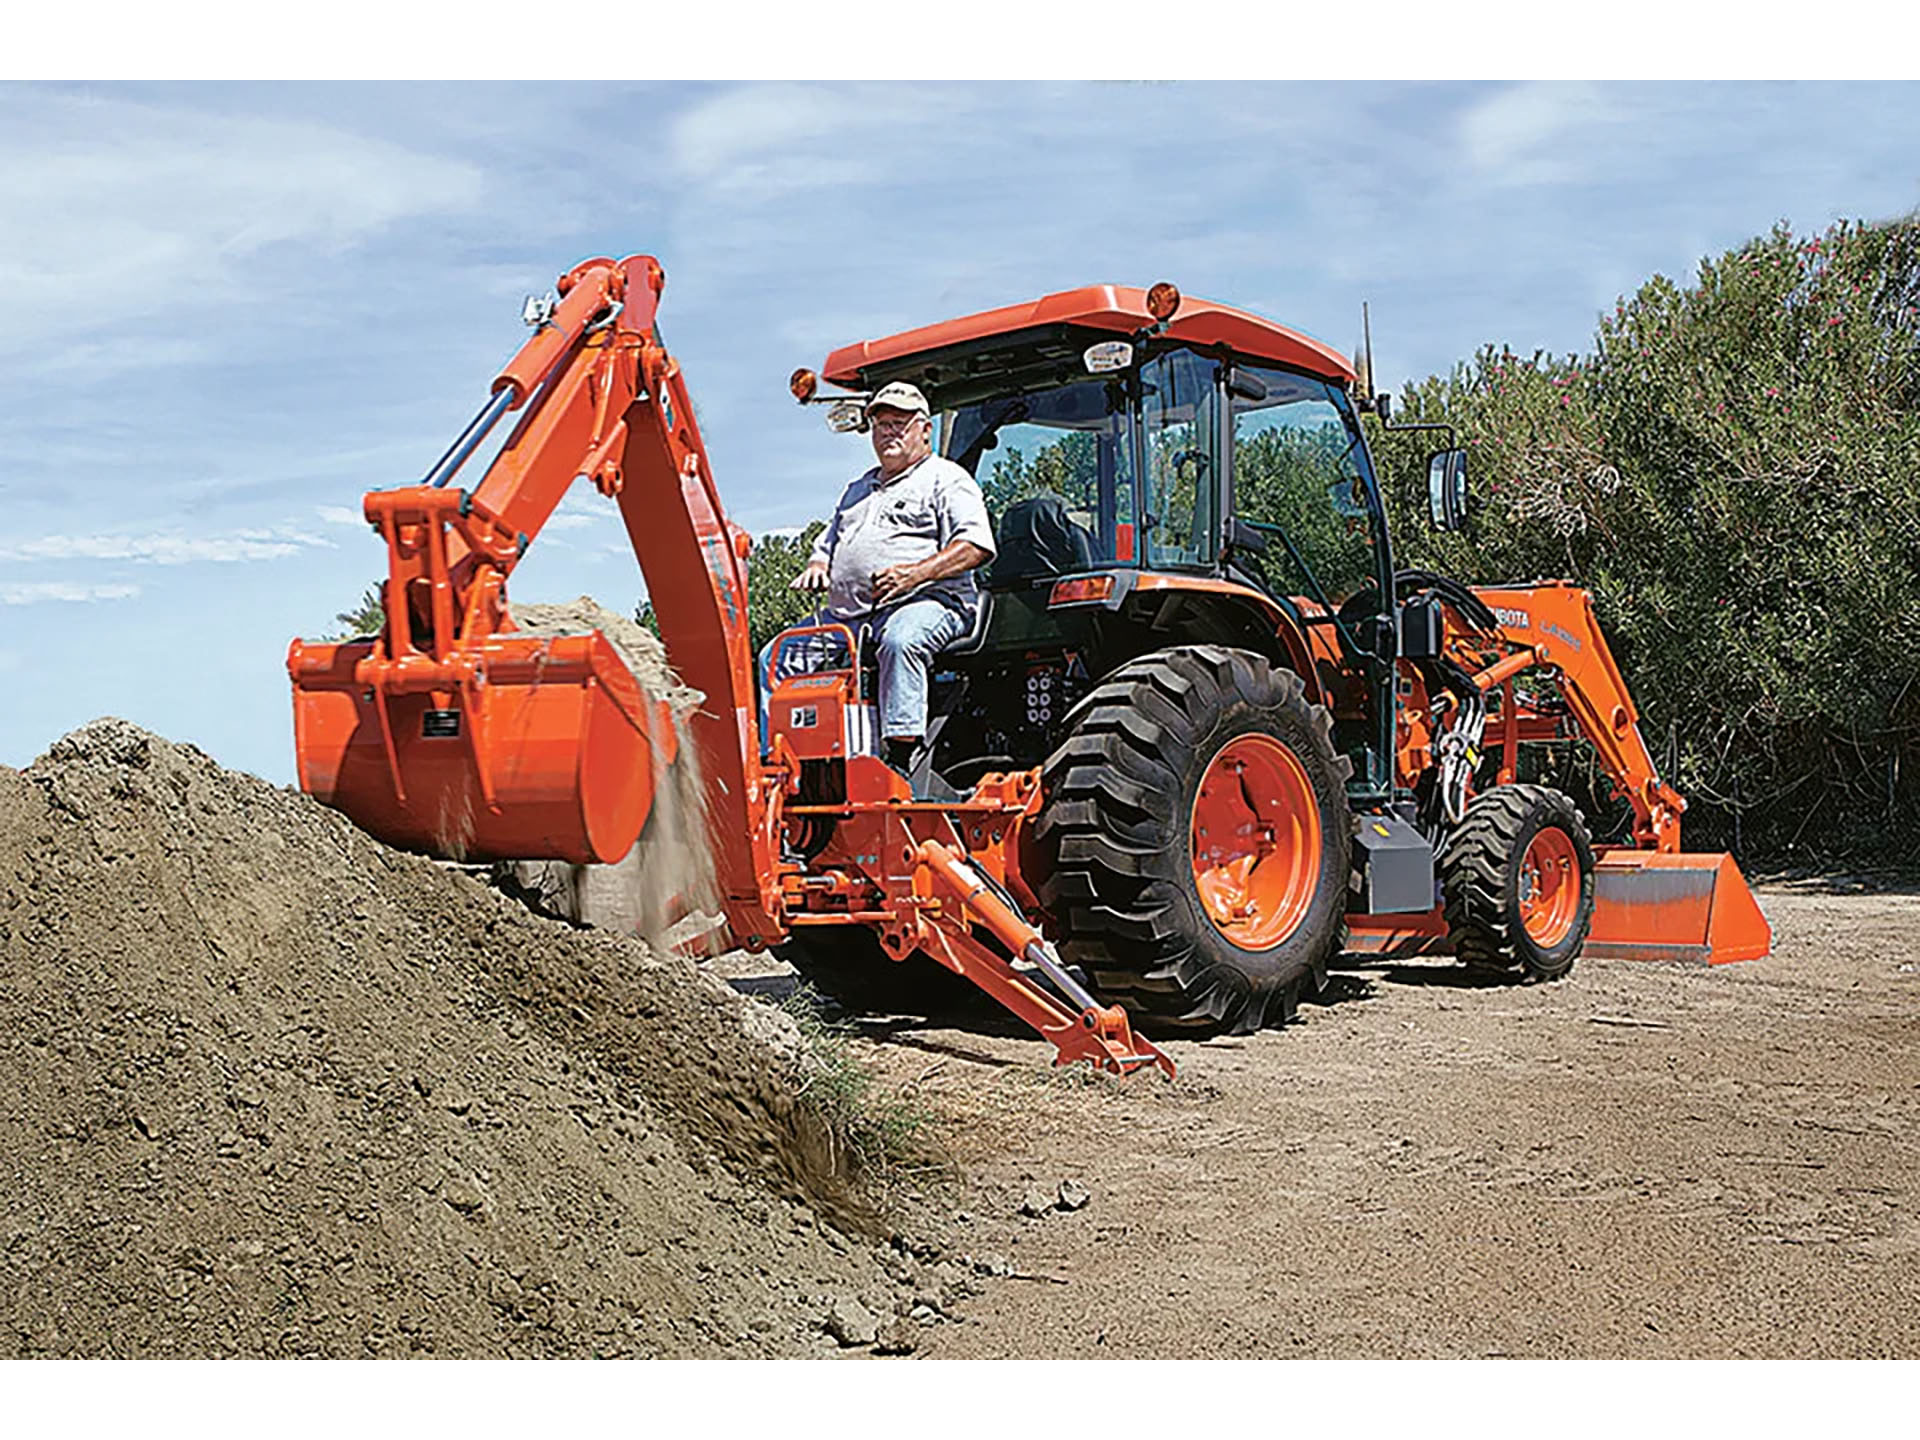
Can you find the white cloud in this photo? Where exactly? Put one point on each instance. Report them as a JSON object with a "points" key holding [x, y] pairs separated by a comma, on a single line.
{"points": [[1532, 133], [36, 592], [762, 143], [165, 549], [752, 123], [340, 515], [123, 210]]}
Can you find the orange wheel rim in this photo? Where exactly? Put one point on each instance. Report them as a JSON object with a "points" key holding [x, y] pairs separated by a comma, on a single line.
{"points": [[1549, 887], [1256, 842]]}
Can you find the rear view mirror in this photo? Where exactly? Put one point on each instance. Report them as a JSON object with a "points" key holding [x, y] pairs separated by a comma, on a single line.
{"points": [[1244, 538], [1447, 489]]}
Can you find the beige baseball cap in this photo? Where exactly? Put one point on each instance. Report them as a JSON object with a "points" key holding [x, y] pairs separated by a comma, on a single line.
{"points": [[899, 396]]}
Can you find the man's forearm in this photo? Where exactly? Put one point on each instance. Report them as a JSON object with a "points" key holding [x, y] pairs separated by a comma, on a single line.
{"points": [[958, 558]]}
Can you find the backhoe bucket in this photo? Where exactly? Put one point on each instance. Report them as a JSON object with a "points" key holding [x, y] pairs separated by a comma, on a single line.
{"points": [[517, 748], [1655, 905]]}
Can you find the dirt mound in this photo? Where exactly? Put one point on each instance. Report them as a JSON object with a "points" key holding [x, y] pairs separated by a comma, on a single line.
{"points": [[669, 873], [276, 1089]]}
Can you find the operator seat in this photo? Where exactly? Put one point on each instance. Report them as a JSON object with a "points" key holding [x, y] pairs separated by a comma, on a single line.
{"points": [[977, 630], [1038, 538]]}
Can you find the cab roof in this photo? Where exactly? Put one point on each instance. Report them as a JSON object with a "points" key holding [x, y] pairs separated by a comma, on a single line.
{"points": [[1118, 309]]}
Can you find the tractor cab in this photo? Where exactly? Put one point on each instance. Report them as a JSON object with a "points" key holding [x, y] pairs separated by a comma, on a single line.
{"points": [[1158, 472]]}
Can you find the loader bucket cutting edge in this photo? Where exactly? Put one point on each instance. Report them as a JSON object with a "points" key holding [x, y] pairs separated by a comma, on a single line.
{"points": [[1653, 905], [559, 734]]}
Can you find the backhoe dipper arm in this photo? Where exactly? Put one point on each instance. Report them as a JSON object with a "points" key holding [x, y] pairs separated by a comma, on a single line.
{"points": [[603, 401], [617, 413], [1553, 625], [694, 560]]}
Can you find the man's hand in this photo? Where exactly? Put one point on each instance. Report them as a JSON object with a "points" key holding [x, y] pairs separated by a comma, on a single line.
{"points": [[895, 581], [814, 577]]}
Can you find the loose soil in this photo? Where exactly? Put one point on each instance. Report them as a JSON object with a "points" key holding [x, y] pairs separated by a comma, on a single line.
{"points": [[276, 1089], [272, 1088], [1640, 1161]]}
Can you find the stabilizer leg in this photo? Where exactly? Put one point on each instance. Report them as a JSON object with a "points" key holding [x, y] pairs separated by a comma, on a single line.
{"points": [[1098, 1034]]}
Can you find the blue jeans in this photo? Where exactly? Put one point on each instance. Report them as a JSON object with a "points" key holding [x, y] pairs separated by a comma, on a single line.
{"points": [[909, 636], [906, 638]]}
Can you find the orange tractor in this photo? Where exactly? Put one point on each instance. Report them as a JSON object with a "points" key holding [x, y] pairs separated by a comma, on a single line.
{"points": [[1202, 734]]}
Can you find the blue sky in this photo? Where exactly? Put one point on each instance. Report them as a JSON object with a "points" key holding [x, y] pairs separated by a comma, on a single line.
{"points": [[227, 311]]}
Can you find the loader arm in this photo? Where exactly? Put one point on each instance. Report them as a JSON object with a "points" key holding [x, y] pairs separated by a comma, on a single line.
{"points": [[451, 733], [1651, 900], [1552, 626]]}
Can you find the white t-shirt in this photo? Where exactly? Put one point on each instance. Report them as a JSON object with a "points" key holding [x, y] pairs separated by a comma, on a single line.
{"points": [[880, 523]]}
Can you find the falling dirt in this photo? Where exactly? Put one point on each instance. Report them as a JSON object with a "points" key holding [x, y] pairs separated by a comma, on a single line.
{"points": [[669, 874], [273, 1088]]}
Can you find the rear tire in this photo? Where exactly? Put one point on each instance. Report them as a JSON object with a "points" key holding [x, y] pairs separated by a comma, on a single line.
{"points": [[1163, 746], [1517, 874]]}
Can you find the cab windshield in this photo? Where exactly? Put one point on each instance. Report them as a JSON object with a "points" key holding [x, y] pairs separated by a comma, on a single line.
{"points": [[1056, 469]]}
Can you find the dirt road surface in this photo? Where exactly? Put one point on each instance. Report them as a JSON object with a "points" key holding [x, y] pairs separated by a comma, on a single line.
{"points": [[1642, 1161]]}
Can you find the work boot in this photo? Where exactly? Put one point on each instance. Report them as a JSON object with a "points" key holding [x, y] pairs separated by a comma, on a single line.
{"points": [[914, 760]]}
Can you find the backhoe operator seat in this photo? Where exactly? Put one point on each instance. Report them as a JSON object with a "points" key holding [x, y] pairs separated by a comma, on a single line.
{"points": [[977, 628]]}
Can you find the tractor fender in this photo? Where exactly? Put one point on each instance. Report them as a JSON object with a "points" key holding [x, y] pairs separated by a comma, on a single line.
{"points": [[1204, 609]]}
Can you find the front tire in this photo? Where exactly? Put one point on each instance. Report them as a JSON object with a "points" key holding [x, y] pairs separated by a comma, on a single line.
{"points": [[1194, 840], [1517, 874]]}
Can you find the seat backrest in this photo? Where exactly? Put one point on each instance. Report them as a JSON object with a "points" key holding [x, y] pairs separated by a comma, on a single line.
{"points": [[1037, 538], [977, 631]]}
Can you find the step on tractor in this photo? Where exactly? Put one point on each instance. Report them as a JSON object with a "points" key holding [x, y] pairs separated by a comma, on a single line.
{"points": [[1201, 737]]}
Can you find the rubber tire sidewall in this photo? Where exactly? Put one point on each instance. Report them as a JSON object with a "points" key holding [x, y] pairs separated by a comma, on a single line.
{"points": [[1305, 950], [1489, 930], [1142, 930], [1538, 962]]}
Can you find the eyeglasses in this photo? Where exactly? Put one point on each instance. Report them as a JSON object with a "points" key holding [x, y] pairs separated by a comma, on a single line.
{"points": [[894, 422]]}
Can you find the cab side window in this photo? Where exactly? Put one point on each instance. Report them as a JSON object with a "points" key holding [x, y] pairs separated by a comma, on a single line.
{"points": [[1180, 411], [1296, 466]]}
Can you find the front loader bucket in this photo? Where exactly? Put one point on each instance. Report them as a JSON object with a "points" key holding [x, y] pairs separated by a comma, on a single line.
{"points": [[519, 748], [1656, 905]]}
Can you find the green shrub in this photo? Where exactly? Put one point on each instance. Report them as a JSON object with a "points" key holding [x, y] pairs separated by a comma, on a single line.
{"points": [[772, 602], [1734, 471]]}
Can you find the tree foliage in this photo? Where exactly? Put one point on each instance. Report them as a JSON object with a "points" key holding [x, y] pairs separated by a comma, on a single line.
{"points": [[369, 617], [1734, 470], [772, 603], [1068, 467]]}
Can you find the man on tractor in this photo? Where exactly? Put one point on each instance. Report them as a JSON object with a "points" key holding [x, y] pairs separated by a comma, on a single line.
{"points": [[899, 556]]}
